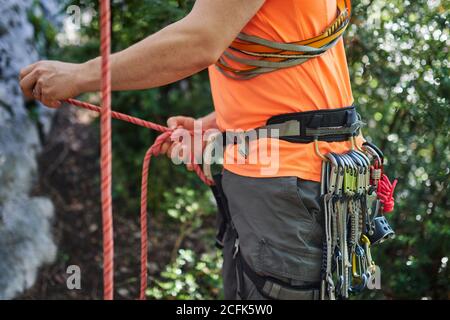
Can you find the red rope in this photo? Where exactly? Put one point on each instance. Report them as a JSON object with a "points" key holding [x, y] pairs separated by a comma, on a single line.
{"points": [[152, 151], [385, 193], [106, 158], [119, 116]]}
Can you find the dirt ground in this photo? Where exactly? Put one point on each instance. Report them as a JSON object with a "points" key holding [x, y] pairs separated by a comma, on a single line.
{"points": [[69, 175]]}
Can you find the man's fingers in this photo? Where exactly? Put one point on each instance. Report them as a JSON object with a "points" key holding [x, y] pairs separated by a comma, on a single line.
{"points": [[56, 104], [50, 102], [175, 122], [37, 92], [180, 121], [168, 144], [28, 83], [25, 71], [172, 122], [53, 104], [180, 146], [165, 147]]}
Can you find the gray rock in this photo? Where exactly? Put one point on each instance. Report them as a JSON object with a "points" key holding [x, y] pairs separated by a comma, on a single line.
{"points": [[25, 222], [25, 243]]}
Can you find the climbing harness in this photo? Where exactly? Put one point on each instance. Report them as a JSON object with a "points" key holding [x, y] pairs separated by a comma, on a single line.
{"points": [[354, 191], [250, 56]]}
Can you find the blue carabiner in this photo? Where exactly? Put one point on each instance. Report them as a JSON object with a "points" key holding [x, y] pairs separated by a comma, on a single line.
{"points": [[361, 286]]}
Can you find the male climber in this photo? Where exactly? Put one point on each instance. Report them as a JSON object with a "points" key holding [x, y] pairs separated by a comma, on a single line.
{"points": [[272, 235]]}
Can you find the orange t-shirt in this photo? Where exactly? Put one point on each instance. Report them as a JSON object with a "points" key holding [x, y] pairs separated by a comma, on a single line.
{"points": [[320, 83]]}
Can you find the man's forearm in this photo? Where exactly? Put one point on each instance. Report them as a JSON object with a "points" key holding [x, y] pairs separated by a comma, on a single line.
{"points": [[173, 53]]}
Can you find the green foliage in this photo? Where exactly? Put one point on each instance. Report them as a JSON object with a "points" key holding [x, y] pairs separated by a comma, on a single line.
{"points": [[190, 277], [187, 206], [45, 32], [398, 59], [189, 209], [398, 54]]}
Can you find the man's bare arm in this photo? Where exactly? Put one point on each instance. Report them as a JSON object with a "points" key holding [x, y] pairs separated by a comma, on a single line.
{"points": [[176, 52]]}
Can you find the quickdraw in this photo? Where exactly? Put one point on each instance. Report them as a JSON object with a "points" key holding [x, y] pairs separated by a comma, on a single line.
{"points": [[355, 193]]}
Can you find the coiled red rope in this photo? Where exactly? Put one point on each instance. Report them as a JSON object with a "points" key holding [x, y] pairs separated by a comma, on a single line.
{"points": [[152, 151], [385, 193], [106, 162]]}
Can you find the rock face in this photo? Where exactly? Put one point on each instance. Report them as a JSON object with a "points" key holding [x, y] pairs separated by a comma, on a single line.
{"points": [[25, 222]]}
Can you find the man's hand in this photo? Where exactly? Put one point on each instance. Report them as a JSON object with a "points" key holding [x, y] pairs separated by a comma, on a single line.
{"points": [[174, 53], [180, 125], [50, 81]]}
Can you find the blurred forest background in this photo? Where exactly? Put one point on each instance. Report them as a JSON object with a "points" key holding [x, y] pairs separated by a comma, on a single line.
{"points": [[398, 57]]}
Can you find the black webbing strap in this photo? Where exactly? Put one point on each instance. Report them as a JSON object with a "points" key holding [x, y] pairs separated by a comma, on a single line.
{"points": [[331, 125], [223, 218], [272, 288]]}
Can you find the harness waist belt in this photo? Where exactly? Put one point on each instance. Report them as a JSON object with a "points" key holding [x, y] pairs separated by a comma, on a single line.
{"points": [[330, 125]]}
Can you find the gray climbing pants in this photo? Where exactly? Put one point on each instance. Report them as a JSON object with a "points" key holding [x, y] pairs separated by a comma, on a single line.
{"points": [[279, 225]]}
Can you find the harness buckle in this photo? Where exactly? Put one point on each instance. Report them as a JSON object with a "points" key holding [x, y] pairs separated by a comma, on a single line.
{"points": [[236, 248]]}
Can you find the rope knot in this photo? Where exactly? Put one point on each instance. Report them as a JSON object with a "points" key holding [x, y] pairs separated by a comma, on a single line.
{"points": [[385, 193]]}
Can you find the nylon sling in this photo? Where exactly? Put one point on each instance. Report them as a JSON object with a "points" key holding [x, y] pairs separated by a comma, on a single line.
{"points": [[252, 56]]}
